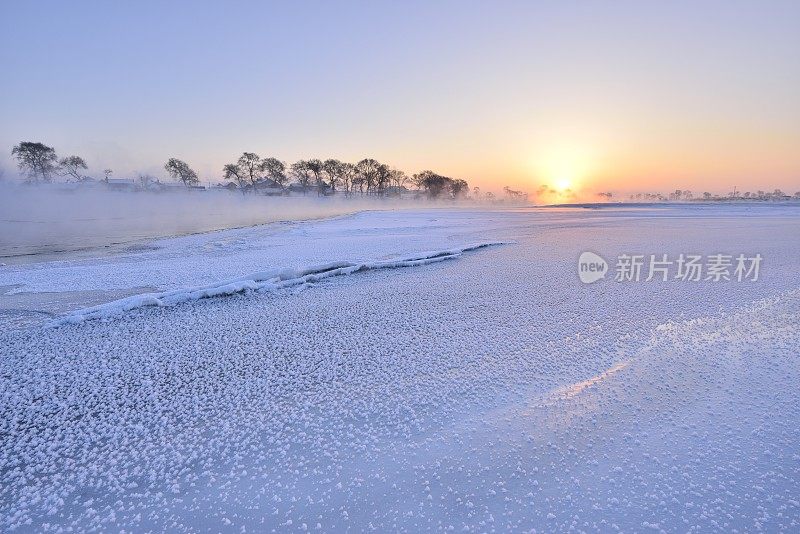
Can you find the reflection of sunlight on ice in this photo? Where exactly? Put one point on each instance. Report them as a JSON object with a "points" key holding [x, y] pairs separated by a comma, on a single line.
{"points": [[556, 397], [567, 392]]}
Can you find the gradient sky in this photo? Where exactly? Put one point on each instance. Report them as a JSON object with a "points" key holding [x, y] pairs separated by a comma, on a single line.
{"points": [[621, 96]]}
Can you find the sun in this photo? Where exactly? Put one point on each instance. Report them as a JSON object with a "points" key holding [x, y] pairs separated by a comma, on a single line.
{"points": [[563, 175], [562, 184], [564, 168]]}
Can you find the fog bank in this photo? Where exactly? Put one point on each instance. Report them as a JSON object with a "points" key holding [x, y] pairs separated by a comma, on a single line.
{"points": [[44, 223]]}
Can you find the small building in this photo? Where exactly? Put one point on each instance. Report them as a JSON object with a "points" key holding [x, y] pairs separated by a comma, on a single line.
{"points": [[269, 187], [120, 184]]}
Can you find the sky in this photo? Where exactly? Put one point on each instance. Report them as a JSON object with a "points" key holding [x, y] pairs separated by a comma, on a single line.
{"points": [[616, 96]]}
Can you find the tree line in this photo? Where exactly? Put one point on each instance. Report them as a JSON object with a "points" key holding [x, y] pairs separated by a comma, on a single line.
{"points": [[366, 177], [680, 195], [251, 173]]}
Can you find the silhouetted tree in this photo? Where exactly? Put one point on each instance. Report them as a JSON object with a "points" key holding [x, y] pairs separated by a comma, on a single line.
{"points": [[180, 170], [366, 174], [347, 173], [398, 179], [383, 178], [521, 195], [459, 188], [358, 183], [315, 167], [246, 171], [418, 180], [71, 166], [275, 170], [233, 173], [251, 167], [332, 170], [436, 186], [302, 173], [433, 184], [37, 161]]}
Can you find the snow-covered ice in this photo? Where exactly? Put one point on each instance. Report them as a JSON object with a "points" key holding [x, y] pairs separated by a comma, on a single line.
{"points": [[493, 392], [262, 282]]}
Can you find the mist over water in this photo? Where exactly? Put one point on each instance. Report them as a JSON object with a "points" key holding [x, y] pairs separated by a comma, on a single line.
{"points": [[49, 222]]}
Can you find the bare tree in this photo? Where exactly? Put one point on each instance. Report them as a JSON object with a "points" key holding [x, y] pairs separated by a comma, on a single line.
{"points": [[233, 173], [332, 170], [521, 195], [436, 184], [398, 179], [315, 168], [246, 171], [250, 166], [459, 187], [366, 174], [383, 177], [348, 172], [433, 184], [302, 173], [180, 170], [418, 179], [107, 174], [358, 182], [36, 160], [71, 166], [275, 170]]}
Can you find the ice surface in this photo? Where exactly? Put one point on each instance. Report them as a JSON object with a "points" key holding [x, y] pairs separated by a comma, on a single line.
{"points": [[262, 282], [491, 393]]}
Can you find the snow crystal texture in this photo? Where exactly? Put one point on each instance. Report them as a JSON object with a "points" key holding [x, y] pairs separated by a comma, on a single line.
{"points": [[490, 393]]}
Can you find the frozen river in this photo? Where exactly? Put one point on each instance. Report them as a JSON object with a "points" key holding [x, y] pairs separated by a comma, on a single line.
{"points": [[425, 385]]}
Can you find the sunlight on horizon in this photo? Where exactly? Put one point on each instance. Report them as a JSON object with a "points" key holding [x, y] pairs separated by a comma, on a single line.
{"points": [[565, 168], [589, 98]]}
